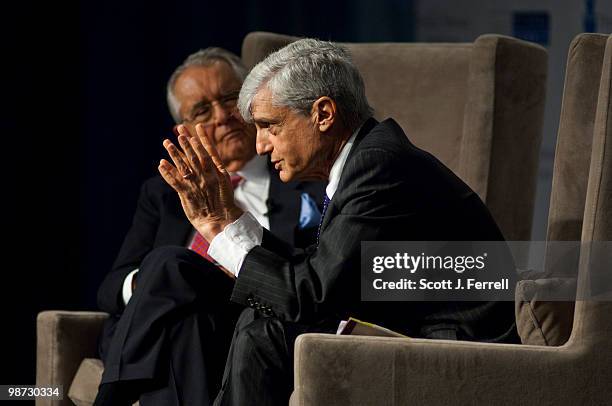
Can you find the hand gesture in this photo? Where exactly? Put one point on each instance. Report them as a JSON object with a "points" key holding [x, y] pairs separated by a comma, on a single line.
{"points": [[201, 181]]}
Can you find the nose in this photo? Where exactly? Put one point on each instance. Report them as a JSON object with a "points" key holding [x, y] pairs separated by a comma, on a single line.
{"points": [[262, 143]]}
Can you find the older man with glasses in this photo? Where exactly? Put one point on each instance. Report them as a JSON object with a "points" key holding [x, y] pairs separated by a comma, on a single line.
{"points": [[172, 321]]}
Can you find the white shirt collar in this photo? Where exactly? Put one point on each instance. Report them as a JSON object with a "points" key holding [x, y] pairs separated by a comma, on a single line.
{"points": [[338, 166], [254, 170]]}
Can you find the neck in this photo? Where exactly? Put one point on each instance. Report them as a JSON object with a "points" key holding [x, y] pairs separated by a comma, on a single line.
{"points": [[320, 168], [237, 164], [338, 143]]}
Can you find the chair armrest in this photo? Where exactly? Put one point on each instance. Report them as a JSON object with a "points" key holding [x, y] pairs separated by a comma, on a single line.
{"points": [[358, 370], [64, 339]]}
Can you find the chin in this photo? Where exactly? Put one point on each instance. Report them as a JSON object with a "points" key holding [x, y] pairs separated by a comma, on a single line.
{"points": [[236, 163], [237, 158], [286, 176]]}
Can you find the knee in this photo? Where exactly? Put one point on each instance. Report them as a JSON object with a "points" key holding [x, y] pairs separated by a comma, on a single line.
{"points": [[162, 260], [167, 253], [258, 338], [179, 267]]}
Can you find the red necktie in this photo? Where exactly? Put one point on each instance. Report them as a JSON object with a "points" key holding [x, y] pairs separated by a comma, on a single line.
{"points": [[199, 243]]}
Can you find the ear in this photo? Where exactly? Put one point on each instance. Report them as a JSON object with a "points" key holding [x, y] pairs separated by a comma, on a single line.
{"points": [[324, 113]]}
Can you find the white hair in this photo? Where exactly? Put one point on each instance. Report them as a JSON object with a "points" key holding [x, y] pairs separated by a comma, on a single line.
{"points": [[203, 57], [303, 71]]}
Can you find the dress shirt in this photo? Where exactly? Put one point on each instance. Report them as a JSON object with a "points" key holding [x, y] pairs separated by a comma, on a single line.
{"points": [[231, 246], [250, 195]]}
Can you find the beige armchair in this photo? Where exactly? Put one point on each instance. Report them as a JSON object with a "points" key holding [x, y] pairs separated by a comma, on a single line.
{"points": [[351, 370], [477, 106], [64, 340]]}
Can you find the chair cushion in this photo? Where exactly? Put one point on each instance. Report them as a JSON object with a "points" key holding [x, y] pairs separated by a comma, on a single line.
{"points": [[85, 384], [539, 320]]}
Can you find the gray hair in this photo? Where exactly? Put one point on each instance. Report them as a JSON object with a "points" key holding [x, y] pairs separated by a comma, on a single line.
{"points": [[303, 71], [203, 57]]}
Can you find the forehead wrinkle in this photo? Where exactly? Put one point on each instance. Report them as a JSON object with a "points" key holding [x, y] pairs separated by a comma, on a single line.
{"points": [[215, 79], [256, 105], [263, 94]]}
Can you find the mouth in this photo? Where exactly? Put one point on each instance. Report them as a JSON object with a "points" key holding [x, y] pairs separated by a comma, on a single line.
{"points": [[277, 164]]}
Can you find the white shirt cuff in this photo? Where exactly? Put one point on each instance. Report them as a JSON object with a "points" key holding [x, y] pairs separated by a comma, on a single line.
{"points": [[231, 246], [127, 286]]}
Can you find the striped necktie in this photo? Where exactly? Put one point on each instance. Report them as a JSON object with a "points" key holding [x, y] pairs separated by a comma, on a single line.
{"points": [[199, 243], [325, 206]]}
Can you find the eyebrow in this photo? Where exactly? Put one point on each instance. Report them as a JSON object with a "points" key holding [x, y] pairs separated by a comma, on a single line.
{"points": [[266, 120]]}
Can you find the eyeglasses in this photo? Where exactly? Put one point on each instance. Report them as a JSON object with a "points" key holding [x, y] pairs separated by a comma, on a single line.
{"points": [[204, 112]]}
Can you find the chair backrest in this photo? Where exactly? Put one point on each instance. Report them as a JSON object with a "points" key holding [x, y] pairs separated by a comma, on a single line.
{"points": [[592, 319], [575, 137], [478, 107], [543, 322], [574, 149]]}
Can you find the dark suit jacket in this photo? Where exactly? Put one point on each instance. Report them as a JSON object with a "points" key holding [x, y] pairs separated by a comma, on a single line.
{"points": [[389, 190], [160, 221]]}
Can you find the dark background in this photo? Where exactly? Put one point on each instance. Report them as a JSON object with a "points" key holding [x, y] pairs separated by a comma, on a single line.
{"points": [[82, 120]]}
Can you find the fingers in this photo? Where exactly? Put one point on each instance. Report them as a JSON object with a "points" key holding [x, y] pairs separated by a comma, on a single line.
{"points": [[178, 158], [209, 148], [205, 147], [195, 161], [184, 136], [171, 175], [182, 130]]}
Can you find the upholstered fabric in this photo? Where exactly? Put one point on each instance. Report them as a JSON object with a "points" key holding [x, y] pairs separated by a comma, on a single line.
{"points": [[85, 384], [478, 107], [575, 137], [544, 322], [593, 320], [63, 340], [505, 175], [84, 387], [390, 371]]}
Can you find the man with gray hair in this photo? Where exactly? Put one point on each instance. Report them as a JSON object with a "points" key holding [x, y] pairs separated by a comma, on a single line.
{"points": [[171, 318], [313, 119]]}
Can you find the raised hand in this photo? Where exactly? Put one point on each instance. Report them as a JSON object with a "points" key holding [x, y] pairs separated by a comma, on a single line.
{"points": [[201, 181]]}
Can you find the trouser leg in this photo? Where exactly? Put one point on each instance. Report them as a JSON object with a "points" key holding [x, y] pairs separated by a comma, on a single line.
{"points": [[175, 330], [259, 368]]}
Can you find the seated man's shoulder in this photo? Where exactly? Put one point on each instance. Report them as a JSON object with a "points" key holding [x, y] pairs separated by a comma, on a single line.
{"points": [[156, 185], [157, 192], [386, 144], [388, 155], [386, 135]]}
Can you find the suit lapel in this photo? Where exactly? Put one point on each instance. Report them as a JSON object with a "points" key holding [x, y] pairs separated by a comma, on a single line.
{"points": [[365, 129]]}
